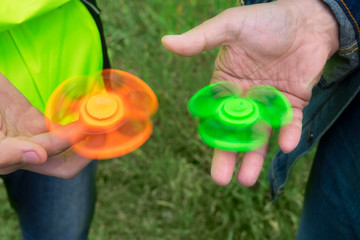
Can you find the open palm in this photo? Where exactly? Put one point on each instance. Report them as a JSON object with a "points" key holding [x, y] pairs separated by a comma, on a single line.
{"points": [[284, 44]]}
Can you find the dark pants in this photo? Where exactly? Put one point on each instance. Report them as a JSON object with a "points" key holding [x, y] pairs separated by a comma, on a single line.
{"points": [[332, 201], [53, 208]]}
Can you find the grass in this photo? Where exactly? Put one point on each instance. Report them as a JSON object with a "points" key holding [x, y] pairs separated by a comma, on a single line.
{"points": [[163, 190]]}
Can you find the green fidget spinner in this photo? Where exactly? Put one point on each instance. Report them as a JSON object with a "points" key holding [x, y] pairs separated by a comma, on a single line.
{"points": [[233, 121]]}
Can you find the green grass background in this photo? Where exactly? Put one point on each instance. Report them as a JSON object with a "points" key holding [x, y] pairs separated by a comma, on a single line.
{"points": [[164, 190]]}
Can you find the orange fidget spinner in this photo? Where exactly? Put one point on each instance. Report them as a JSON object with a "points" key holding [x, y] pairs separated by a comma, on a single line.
{"points": [[111, 109]]}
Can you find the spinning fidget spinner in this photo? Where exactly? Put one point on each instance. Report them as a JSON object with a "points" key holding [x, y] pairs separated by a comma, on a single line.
{"points": [[233, 121], [111, 109]]}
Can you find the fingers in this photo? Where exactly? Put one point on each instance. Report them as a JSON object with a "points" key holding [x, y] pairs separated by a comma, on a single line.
{"points": [[251, 166], [59, 140], [15, 151], [66, 165], [210, 34], [13, 168], [62, 162], [223, 165], [223, 162], [289, 136]]}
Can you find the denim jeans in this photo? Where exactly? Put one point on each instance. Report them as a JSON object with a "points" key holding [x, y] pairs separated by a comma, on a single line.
{"points": [[332, 200], [50, 208]]}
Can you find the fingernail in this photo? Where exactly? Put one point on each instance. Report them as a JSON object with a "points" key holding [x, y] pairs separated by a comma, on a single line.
{"points": [[31, 158]]}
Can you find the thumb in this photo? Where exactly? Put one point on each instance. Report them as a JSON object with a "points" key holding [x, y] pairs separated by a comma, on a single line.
{"points": [[208, 35], [18, 151], [62, 138]]}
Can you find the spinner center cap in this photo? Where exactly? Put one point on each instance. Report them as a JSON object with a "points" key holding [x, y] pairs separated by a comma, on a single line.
{"points": [[238, 107], [239, 111], [102, 106]]}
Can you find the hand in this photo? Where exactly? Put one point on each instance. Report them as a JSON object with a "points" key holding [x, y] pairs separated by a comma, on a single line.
{"points": [[25, 143], [284, 44]]}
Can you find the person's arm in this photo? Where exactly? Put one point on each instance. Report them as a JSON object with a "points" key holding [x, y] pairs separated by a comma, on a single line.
{"points": [[25, 143], [15, 12], [284, 44]]}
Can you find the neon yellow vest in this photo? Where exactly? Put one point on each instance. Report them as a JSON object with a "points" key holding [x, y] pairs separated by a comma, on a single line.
{"points": [[44, 42]]}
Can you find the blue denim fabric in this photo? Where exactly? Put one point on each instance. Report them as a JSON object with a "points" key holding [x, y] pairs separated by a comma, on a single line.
{"points": [[325, 107], [331, 208], [50, 208], [347, 58], [249, 2]]}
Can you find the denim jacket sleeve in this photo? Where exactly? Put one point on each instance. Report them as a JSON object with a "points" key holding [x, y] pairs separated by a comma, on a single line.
{"points": [[347, 58]]}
